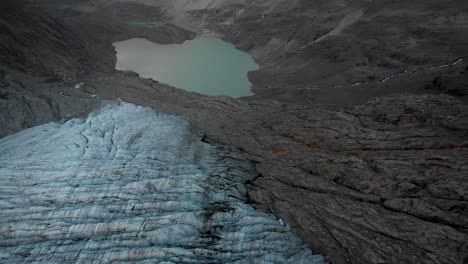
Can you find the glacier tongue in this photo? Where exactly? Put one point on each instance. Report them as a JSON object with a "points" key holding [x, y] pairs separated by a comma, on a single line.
{"points": [[128, 184]]}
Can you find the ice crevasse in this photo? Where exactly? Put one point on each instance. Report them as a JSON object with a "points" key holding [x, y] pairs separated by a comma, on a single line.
{"points": [[129, 184]]}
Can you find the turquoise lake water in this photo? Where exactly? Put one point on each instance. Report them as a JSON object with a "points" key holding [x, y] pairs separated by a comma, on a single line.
{"points": [[204, 65]]}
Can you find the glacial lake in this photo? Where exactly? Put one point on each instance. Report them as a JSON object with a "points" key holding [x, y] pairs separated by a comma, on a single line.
{"points": [[205, 65]]}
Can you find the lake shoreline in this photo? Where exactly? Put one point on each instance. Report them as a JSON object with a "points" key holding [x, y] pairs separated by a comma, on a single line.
{"points": [[224, 72]]}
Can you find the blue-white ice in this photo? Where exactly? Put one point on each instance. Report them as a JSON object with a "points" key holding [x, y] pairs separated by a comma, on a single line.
{"points": [[78, 86], [128, 184]]}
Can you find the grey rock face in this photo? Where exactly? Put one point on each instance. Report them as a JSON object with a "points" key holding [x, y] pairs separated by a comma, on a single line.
{"points": [[35, 42], [130, 184], [26, 102], [385, 182], [382, 182]]}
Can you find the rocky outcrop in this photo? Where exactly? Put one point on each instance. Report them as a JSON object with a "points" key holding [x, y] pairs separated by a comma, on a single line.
{"points": [[26, 101], [382, 182], [128, 184]]}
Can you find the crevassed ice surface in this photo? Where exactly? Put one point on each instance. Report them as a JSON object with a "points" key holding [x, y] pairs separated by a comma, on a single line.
{"points": [[128, 184], [204, 65]]}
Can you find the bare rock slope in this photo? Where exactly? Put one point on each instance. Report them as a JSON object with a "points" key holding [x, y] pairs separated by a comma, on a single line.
{"points": [[323, 44], [382, 182]]}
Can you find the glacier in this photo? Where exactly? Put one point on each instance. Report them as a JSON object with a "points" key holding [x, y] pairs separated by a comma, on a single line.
{"points": [[129, 184]]}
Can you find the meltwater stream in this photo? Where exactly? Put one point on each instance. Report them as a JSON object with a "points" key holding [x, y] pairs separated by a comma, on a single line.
{"points": [[128, 184], [204, 65]]}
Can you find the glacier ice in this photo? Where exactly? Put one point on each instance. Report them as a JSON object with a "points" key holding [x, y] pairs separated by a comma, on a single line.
{"points": [[129, 184]]}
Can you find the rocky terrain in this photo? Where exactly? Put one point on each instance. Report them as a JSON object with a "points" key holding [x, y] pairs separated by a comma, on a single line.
{"points": [[358, 130], [308, 48]]}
